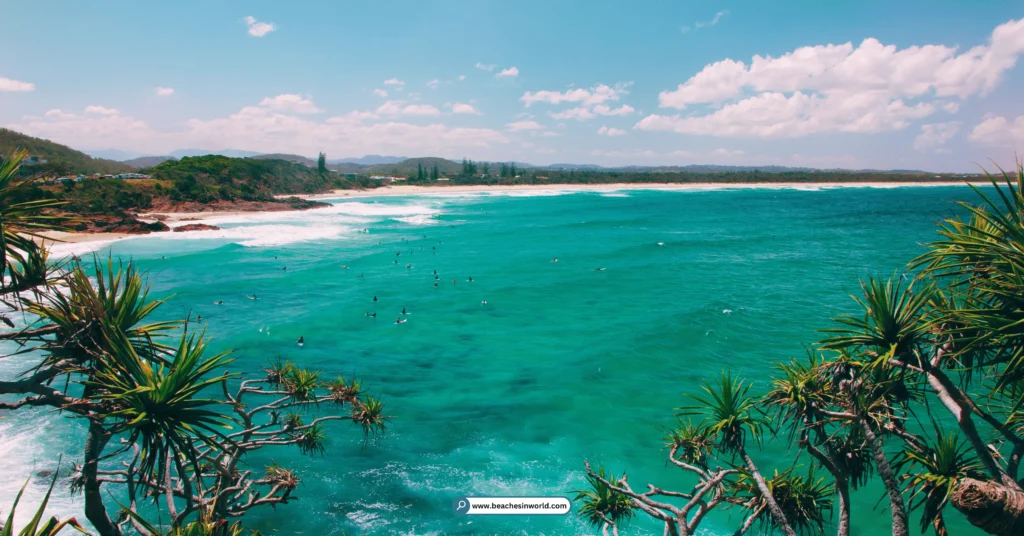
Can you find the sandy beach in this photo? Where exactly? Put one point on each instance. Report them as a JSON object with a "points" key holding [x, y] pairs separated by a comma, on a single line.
{"points": [[173, 218], [404, 189]]}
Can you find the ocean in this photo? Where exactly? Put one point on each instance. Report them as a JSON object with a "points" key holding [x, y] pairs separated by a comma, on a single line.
{"points": [[581, 359]]}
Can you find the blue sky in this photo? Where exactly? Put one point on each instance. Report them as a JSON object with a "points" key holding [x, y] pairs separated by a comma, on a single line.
{"points": [[926, 85]]}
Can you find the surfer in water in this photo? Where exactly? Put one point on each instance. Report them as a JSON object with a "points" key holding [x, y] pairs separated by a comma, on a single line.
{"points": [[301, 342], [374, 298], [368, 313], [470, 279], [483, 302], [404, 312], [453, 281], [435, 284], [344, 266], [400, 320], [599, 269], [199, 318], [253, 297], [555, 259], [408, 266]]}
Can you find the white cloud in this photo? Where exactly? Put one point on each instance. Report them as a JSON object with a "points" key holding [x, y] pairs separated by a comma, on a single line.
{"points": [[485, 67], [595, 95], [524, 125], [263, 129], [935, 135], [607, 131], [100, 110], [393, 82], [433, 83], [6, 84], [603, 109], [291, 103], [511, 72], [164, 91], [380, 93], [999, 131], [579, 113], [420, 109], [868, 88], [462, 77], [703, 24], [775, 115], [951, 107], [722, 151], [257, 28], [462, 108]]}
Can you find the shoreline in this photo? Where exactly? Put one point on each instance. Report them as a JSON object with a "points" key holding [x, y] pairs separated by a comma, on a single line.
{"points": [[171, 218], [404, 189]]}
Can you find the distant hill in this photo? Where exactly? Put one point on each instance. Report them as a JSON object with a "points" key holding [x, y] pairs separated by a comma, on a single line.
{"points": [[308, 162], [113, 154], [60, 159], [211, 177], [369, 160], [147, 161], [234, 153], [409, 167]]}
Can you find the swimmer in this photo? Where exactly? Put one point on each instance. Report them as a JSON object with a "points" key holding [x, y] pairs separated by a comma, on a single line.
{"points": [[400, 320], [368, 313], [555, 259], [408, 266], [285, 268], [199, 318], [301, 341], [360, 275], [374, 298], [435, 272], [483, 302], [435, 284], [453, 281], [344, 266]]}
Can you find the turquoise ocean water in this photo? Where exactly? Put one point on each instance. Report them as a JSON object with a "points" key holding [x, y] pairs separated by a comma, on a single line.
{"points": [[564, 363]]}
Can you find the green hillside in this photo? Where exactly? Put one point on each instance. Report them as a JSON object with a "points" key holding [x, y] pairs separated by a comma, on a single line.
{"points": [[308, 162], [208, 178], [60, 159], [409, 167], [147, 161]]}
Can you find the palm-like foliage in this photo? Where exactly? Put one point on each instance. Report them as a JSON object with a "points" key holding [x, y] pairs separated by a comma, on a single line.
{"points": [[894, 320], [801, 393], [301, 384], [20, 221], [343, 392], [370, 415], [36, 526], [806, 500], [983, 261], [940, 466], [729, 413], [601, 504], [313, 440], [694, 444], [83, 315], [159, 405]]}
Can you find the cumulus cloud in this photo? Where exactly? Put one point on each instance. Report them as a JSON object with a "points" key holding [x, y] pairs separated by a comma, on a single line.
{"points": [[596, 95], [580, 113], [6, 84], [393, 82], [292, 103], [607, 131], [524, 125], [511, 72], [433, 83], [380, 93], [935, 135], [462, 108], [486, 67], [703, 24], [1000, 131], [264, 129], [868, 88], [164, 91], [100, 110], [462, 77], [257, 28], [398, 107], [776, 115]]}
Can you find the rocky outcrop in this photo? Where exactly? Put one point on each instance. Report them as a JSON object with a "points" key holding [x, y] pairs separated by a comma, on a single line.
{"points": [[196, 227]]}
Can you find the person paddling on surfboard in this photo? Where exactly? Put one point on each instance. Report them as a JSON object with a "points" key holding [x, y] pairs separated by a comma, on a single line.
{"points": [[301, 342]]}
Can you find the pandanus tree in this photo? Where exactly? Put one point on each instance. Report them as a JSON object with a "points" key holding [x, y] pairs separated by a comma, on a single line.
{"points": [[944, 341], [168, 425], [729, 423]]}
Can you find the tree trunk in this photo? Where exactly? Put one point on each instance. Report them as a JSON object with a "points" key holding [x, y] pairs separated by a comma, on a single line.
{"points": [[95, 511], [990, 506], [773, 507], [892, 488], [843, 489]]}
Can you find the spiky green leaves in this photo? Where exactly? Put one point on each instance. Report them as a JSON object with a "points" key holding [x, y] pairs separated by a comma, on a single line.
{"points": [[601, 504], [728, 413], [805, 499]]}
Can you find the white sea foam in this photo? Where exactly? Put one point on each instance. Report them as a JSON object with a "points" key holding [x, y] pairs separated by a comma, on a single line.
{"points": [[263, 235], [615, 194]]}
